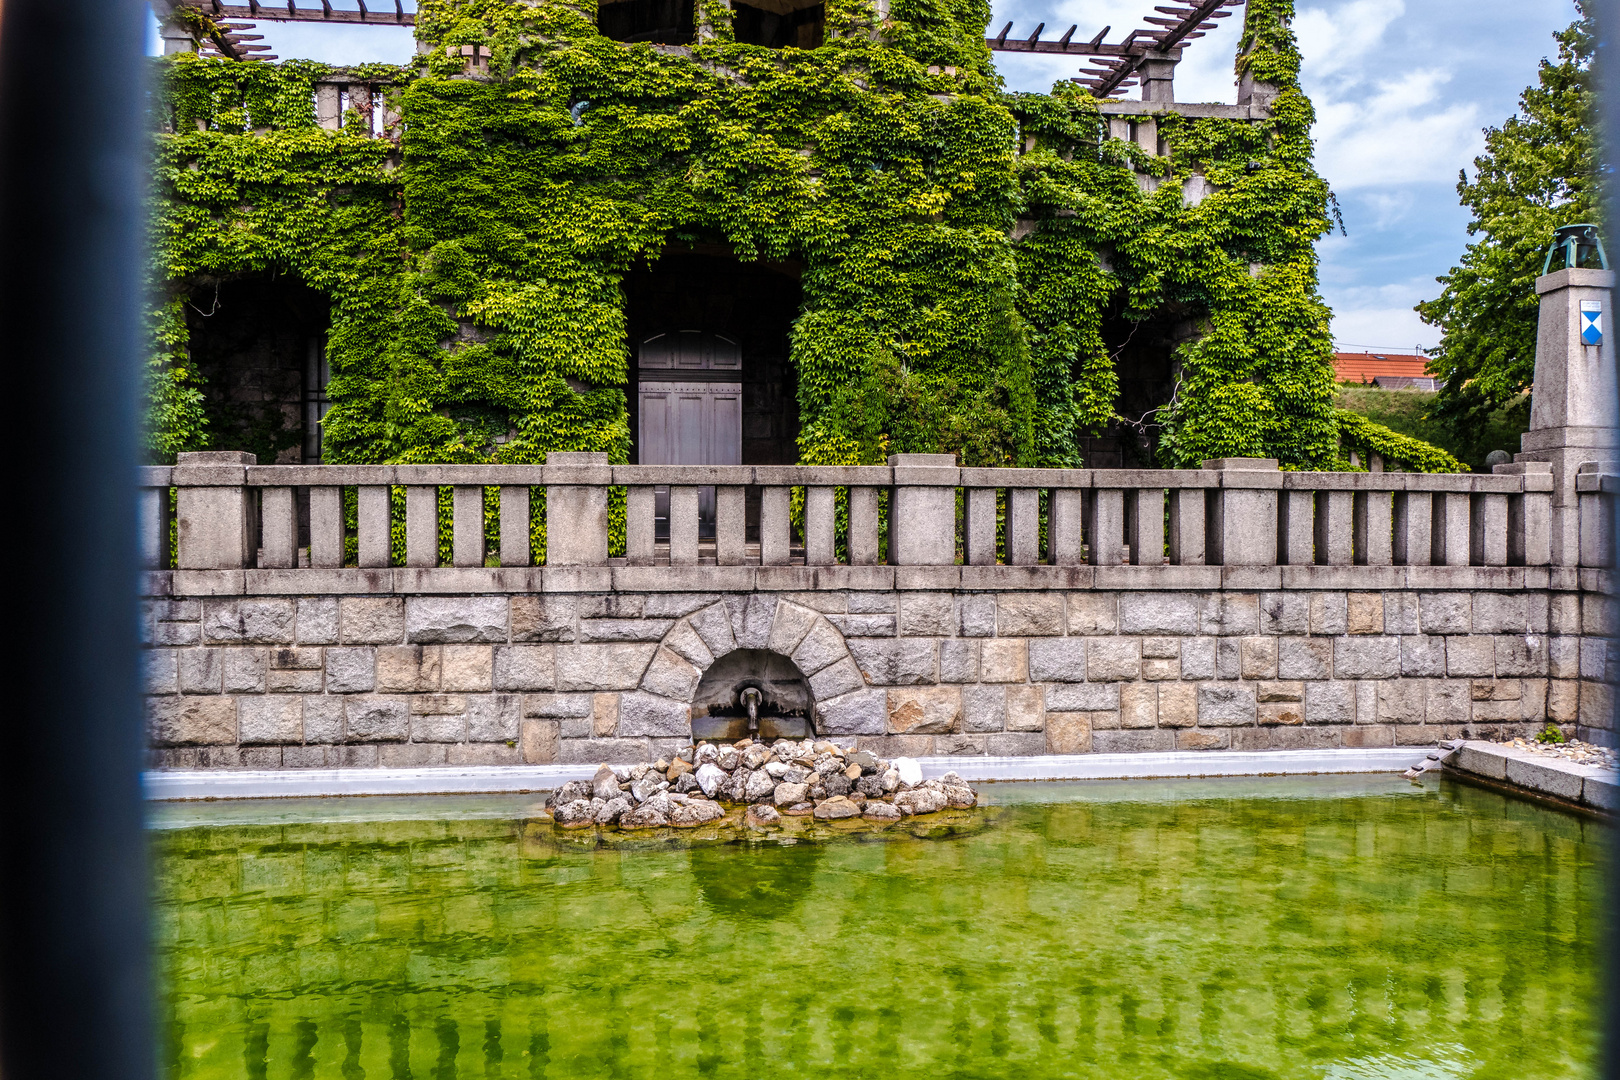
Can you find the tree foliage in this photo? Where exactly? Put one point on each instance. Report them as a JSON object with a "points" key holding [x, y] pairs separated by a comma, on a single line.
{"points": [[1538, 172]]}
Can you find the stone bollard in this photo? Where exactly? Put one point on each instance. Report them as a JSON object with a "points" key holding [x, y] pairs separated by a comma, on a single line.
{"points": [[922, 510], [1572, 403], [215, 513], [1242, 524], [576, 508]]}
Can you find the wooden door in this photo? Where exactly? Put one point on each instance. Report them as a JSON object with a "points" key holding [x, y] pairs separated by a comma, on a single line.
{"points": [[692, 420]]}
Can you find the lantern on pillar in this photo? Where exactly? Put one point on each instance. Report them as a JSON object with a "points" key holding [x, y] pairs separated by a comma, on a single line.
{"points": [[1575, 245]]}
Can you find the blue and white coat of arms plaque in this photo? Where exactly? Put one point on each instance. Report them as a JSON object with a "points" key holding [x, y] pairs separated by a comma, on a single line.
{"points": [[1591, 322]]}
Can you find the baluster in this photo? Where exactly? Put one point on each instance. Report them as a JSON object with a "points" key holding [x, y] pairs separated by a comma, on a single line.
{"points": [[1450, 528], [1334, 528], [1414, 517], [326, 527], [1487, 528], [683, 525], [775, 526], [1023, 526], [980, 527], [1105, 526], [1146, 507], [1187, 526], [421, 526], [466, 525], [376, 526], [820, 523], [863, 526], [731, 525], [640, 524], [1373, 524], [1065, 528], [515, 547], [278, 515], [1296, 520], [153, 511]]}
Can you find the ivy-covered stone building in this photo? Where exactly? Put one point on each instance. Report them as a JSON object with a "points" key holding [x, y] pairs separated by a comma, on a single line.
{"points": [[728, 232]]}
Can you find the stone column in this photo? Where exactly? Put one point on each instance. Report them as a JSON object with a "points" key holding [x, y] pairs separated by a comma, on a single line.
{"points": [[922, 510], [1158, 73], [576, 509], [1572, 402], [214, 510], [1243, 524]]}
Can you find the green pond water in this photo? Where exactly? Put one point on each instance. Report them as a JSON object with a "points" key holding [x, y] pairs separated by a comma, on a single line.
{"points": [[1241, 929]]}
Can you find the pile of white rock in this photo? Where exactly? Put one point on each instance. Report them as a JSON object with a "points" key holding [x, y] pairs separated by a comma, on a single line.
{"points": [[801, 779]]}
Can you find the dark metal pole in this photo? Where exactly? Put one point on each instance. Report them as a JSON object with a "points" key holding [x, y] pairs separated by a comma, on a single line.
{"points": [[74, 978], [1607, 78]]}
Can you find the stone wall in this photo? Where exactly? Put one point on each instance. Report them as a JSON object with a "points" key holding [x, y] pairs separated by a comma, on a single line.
{"points": [[391, 680]]}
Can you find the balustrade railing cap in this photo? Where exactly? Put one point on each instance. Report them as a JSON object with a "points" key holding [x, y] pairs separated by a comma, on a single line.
{"points": [[923, 461], [1243, 463], [575, 457], [1520, 468], [216, 457]]}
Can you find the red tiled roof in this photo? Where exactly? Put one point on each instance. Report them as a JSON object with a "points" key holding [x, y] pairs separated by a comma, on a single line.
{"points": [[1365, 367]]}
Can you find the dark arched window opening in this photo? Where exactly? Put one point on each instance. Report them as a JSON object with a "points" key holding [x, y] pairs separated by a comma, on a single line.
{"points": [[664, 22], [779, 24]]}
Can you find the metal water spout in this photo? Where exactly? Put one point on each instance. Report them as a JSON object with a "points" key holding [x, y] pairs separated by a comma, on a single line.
{"points": [[751, 697]]}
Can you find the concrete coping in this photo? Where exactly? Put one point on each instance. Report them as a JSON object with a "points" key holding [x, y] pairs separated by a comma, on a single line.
{"points": [[198, 784], [1567, 781], [1574, 276]]}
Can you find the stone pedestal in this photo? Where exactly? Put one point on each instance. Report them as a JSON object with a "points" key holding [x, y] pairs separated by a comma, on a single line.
{"points": [[1573, 402]]}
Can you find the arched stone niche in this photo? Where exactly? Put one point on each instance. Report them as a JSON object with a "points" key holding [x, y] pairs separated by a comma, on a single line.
{"points": [[786, 709]]}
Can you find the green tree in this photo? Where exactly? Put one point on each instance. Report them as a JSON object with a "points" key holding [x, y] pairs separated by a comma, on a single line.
{"points": [[1538, 172]]}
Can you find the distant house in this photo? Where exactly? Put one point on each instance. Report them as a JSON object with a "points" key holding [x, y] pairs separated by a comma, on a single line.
{"points": [[1388, 371]]}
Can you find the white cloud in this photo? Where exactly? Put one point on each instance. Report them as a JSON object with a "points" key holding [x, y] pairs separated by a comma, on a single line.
{"points": [[1336, 40], [1402, 132]]}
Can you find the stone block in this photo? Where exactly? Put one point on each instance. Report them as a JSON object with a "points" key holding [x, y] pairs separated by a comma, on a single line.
{"points": [[840, 678], [316, 621], [1422, 655], [1160, 670], [928, 614], [821, 647], [751, 617], [1597, 615], [1304, 658], [191, 721], [376, 719], [893, 746], [1198, 658], [489, 753], [1158, 740], [1495, 711], [1159, 613], [1093, 613], [896, 661], [1203, 740], [1228, 652], [248, 622], [176, 632], [1280, 691], [1471, 657], [1364, 613], [604, 715], [350, 670], [1520, 656], [1563, 701], [494, 718], [1367, 738], [672, 605], [1547, 777], [613, 606], [408, 669], [455, 619], [1082, 697], [871, 603], [1225, 705], [292, 681], [1401, 614], [200, 671], [978, 614], [323, 719], [1280, 713], [1029, 614], [671, 676], [1138, 705], [649, 714], [544, 617], [928, 710], [958, 660], [862, 712], [959, 745], [1285, 613], [1402, 701], [608, 666], [412, 755], [1025, 708], [295, 659], [259, 757], [303, 757], [245, 670], [1178, 705], [1448, 703], [539, 742], [624, 629], [685, 643], [438, 704], [1112, 659], [1004, 660], [1366, 702], [1445, 613], [1230, 614], [354, 757], [788, 629], [1564, 613], [1015, 744], [1329, 613], [1161, 648], [1509, 613], [578, 727], [371, 620], [1366, 657], [1068, 733], [984, 708], [1057, 659], [1330, 703], [1564, 657], [467, 668], [438, 729], [1259, 658], [1594, 658]]}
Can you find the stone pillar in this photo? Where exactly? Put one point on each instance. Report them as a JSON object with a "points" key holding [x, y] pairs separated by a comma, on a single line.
{"points": [[1158, 73], [922, 510], [1572, 402], [1243, 523], [215, 512], [576, 509]]}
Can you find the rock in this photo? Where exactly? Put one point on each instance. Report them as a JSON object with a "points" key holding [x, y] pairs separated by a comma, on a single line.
{"points": [[870, 786], [891, 781], [865, 759], [796, 775], [638, 771], [836, 809], [612, 810], [852, 772], [687, 782], [642, 818], [677, 769], [920, 801], [687, 754], [659, 802], [743, 743], [707, 752], [877, 810], [787, 794], [817, 792], [727, 758], [597, 804], [777, 769], [784, 748], [709, 775], [826, 764], [644, 787], [836, 784], [759, 787], [574, 790], [803, 809], [661, 765], [694, 814], [857, 798], [961, 796], [826, 748], [762, 816], [574, 814], [756, 756], [736, 786], [910, 771], [605, 785], [621, 773], [804, 760]]}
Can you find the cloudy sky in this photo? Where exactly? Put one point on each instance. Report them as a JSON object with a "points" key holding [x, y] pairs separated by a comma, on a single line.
{"points": [[1402, 91]]}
